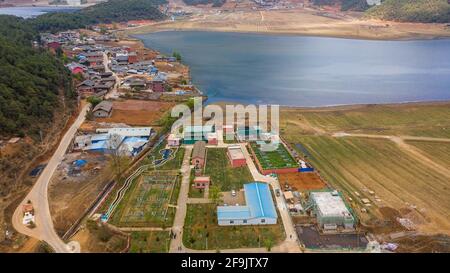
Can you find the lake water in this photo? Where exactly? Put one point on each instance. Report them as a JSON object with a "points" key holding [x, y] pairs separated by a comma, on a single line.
{"points": [[27, 12], [309, 71]]}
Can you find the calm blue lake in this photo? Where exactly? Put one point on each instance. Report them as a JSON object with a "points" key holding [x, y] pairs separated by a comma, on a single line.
{"points": [[28, 12], [309, 71]]}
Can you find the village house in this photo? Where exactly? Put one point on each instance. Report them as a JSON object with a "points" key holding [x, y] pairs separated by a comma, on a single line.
{"points": [[201, 182], [157, 85], [191, 134], [173, 140], [53, 45], [128, 141], [76, 68], [212, 138], [199, 154], [228, 131], [161, 58], [132, 58], [236, 156], [103, 109], [86, 88], [101, 86]]}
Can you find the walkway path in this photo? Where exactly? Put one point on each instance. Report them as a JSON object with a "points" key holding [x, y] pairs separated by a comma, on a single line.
{"points": [[113, 94], [180, 214], [38, 195]]}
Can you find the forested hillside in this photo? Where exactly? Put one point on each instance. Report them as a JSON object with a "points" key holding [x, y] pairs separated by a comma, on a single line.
{"points": [[107, 12], [356, 5], [30, 79], [424, 11], [215, 3]]}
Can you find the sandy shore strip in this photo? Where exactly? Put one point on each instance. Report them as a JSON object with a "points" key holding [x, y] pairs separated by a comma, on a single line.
{"points": [[299, 22]]}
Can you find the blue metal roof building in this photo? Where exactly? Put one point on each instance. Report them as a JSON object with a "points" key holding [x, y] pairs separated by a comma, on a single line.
{"points": [[259, 208]]}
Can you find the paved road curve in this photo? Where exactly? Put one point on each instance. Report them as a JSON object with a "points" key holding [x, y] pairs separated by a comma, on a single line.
{"points": [[44, 229]]}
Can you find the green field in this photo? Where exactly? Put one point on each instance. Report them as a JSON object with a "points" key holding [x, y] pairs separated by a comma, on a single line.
{"points": [[430, 120], [202, 232], [149, 241], [278, 159], [147, 202], [218, 167]]}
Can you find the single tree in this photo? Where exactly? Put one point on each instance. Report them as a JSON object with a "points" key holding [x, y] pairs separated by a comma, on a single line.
{"points": [[215, 194]]}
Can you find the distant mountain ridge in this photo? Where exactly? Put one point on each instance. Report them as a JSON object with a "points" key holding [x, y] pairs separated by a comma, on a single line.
{"points": [[355, 5], [423, 11]]}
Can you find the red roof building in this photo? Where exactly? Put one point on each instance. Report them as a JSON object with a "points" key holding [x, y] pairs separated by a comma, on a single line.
{"points": [[201, 182], [236, 156]]}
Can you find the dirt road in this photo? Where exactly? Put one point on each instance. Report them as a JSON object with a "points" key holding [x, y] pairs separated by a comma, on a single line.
{"points": [[44, 229], [113, 94]]}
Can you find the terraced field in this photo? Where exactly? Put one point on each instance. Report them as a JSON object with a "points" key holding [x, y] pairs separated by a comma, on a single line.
{"points": [[399, 180], [438, 152]]}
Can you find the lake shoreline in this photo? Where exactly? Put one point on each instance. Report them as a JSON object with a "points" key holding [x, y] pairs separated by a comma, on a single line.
{"points": [[300, 22], [135, 31], [344, 107]]}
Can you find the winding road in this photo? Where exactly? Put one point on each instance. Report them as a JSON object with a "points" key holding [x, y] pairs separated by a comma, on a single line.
{"points": [[38, 195]]}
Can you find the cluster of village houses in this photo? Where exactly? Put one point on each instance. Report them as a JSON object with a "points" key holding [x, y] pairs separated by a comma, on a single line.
{"points": [[104, 67]]}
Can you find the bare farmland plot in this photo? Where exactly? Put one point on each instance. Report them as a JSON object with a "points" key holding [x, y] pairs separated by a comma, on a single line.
{"points": [[428, 120], [399, 180], [438, 152]]}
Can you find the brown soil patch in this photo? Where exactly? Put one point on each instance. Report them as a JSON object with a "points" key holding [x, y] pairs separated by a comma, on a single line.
{"points": [[302, 181], [137, 112], [70, 196]]}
